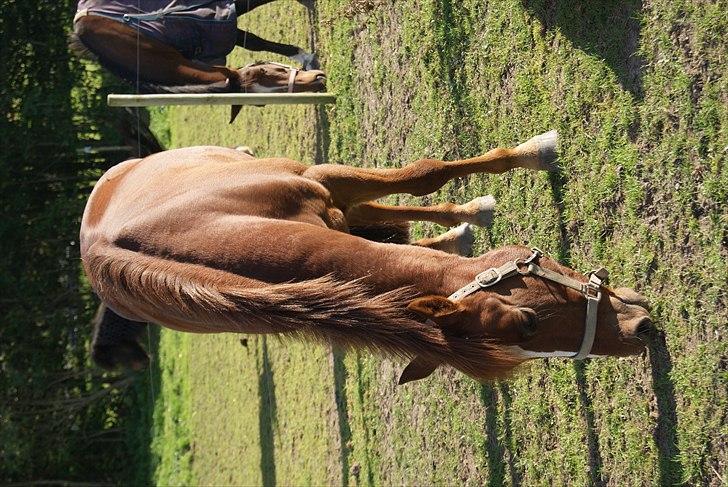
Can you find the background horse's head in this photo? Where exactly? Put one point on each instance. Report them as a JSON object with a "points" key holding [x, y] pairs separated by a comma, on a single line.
{"points": [[531, 316], [265, 77], [268, 77]]}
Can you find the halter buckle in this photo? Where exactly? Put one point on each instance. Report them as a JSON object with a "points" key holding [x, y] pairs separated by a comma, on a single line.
{"points": [[593, 292], [602, 274], [593, 289], [535, 255], [489, 277]]}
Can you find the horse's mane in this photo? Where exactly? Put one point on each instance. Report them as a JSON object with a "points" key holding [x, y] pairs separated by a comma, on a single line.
{"points": [[84, 51]]}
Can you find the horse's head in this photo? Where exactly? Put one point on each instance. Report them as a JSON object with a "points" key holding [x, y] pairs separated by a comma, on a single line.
{"points": [[533, 307], [268, 77]]}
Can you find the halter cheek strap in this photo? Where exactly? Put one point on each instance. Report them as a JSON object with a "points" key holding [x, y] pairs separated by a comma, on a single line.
{"points": [[591, 290], [292, 79]]}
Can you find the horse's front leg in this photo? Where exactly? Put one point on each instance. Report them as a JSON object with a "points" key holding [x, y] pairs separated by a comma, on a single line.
{"points": [[352, 185]]}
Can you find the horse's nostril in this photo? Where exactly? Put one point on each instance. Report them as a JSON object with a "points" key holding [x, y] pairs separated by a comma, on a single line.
{"points": [[645, 328]]}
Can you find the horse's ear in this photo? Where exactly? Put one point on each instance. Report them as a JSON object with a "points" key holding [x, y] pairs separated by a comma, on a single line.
{"points": [[433, 307], [234, 110], [417, 369]]}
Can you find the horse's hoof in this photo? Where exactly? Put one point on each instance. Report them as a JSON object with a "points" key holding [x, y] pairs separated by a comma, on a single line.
{"points": [[541, 151], [465, 238], [547, 152], [245, 150], [458, 240], [479, 211]]}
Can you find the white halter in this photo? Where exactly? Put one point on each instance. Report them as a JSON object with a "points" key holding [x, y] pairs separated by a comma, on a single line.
{"points": [[591, 290]]}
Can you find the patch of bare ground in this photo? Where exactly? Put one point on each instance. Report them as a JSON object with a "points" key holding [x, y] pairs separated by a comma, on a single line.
{"points": [[386, 88], [359, 7], [697, 66]]}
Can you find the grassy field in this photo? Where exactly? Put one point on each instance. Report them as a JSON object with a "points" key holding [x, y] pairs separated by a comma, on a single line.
{"points": [[639, 94]]}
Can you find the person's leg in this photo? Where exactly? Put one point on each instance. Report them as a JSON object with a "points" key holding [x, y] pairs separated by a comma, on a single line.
{"points": [[245, 6], [252, 42]]}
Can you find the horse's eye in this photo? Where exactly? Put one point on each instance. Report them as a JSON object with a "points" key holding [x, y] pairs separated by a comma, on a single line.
{"points": [[530, 325]]}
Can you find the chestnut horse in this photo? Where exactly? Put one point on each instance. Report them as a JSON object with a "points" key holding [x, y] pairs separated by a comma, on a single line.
{"points": [[209, 240]]}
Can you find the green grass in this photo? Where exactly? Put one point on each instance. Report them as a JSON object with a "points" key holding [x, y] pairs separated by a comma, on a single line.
{"points": [[639, 94]]}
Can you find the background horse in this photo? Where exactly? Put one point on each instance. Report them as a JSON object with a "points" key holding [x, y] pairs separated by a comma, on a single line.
{"points": [[176, 47], [211, 240]]}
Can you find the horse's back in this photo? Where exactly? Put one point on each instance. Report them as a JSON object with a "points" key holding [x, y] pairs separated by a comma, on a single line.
{"points": [[182, 192]]}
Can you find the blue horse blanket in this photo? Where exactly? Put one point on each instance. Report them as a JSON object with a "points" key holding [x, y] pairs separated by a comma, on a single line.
{"points": [[198, 29]]}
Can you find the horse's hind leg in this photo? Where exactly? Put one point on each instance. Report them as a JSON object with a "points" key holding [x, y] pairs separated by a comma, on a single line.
{"points": [[477, 212], [351, 185]]}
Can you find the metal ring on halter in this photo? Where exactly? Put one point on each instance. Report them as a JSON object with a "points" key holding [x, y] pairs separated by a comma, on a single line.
{"points": [[481, 278], [535, 255], [522, 266]]}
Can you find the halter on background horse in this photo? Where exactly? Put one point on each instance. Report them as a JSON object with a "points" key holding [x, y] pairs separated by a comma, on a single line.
{"points": [[175, 47], [210, 240]]}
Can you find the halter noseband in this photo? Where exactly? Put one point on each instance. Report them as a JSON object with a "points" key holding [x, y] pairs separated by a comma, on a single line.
{"points": [[592, 290]]}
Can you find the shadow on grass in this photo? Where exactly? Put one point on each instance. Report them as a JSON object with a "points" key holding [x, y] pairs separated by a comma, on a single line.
{"points": [[454, 34], [516, 472], [322, 140], [140, 418], [557, 182], [364, 426], [342, 412], [605, 29], [493, 446], [665, 434], [266, 416], [592, 439], [500, 451]]}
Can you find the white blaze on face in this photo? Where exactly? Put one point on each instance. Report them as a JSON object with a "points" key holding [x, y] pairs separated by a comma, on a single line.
{"points": [[529, 354]]}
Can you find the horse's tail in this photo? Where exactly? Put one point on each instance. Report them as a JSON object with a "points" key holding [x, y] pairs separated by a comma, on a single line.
{"points": [[196, 298]]}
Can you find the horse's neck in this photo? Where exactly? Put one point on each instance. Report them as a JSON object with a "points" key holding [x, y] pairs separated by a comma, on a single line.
{"points": [[280, 251]]}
